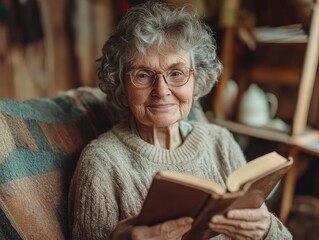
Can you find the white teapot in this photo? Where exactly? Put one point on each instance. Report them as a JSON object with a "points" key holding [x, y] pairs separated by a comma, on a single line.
{"points": [[256, 107]]}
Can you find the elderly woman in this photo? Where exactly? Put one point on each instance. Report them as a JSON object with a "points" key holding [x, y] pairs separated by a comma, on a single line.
{"points": [[153, 67]]}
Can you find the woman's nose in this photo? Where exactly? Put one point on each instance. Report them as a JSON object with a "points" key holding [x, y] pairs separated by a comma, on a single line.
{"points": [[160, 87]]}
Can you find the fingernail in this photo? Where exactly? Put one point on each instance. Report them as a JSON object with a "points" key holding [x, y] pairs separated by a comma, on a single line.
{"points": [[216, 218], [188, 220]]}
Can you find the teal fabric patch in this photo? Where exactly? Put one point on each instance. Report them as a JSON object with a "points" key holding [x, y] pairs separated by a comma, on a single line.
{"points": [[56, 110], [37, 134], [15, 167]]}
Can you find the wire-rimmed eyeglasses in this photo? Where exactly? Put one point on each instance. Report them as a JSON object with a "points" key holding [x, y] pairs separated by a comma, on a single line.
{"points": [[144, 78]]}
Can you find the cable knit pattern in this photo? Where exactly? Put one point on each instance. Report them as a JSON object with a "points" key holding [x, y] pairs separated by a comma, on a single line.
{"points": [[115, 171]]}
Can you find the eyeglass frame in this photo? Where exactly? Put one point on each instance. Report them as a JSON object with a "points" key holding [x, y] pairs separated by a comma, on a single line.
{"points": [[190, 71]]}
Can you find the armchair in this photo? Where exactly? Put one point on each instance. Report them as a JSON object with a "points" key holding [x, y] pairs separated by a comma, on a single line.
{"points": [[40, 143]]}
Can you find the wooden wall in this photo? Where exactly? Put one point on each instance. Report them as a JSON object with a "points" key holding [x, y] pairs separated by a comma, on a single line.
{"points": [[56, 51]]}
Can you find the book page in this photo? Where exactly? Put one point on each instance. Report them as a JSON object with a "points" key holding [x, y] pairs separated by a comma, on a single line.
{"points": [[192, 181], [256, 168]]}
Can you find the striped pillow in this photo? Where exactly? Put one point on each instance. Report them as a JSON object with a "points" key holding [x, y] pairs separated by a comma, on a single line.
{"points": [[40, 142]]}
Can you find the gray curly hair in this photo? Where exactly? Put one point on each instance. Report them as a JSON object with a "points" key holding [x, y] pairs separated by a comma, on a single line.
{"points": [[156, 24]]}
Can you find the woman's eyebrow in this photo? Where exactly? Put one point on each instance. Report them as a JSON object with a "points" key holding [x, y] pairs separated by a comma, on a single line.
{"points": [[178, 64], [141, 66]]}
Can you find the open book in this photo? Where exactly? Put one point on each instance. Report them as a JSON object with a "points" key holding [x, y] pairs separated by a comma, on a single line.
{"points": [[173, 195]]}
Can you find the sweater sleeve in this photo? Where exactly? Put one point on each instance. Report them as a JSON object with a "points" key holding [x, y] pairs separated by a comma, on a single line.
{"points": [[277, 230], [95, 209]]}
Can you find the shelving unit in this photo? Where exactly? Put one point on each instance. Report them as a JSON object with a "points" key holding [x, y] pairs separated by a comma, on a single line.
{"points": [[301, 137]]}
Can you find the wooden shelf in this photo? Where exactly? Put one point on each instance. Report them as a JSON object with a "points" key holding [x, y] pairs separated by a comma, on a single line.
{"points": [[309, 139], [285, 34], [262, 133], [272, 75]]}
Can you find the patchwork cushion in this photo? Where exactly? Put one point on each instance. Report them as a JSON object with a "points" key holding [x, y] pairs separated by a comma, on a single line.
{"points": [[40, 142]]}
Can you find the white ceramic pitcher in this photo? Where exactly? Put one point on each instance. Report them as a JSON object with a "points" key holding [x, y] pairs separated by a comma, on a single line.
{"points": [[257, 107]]}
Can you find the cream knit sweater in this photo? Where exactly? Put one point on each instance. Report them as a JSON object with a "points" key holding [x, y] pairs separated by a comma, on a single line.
{"points": [[115, 171]]}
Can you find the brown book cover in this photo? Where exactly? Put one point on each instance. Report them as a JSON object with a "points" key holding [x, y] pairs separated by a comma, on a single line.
{"points": [[173, 195]]}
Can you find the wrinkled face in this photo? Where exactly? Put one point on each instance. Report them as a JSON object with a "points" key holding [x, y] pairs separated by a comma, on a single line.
{"points": [[160, 105]]}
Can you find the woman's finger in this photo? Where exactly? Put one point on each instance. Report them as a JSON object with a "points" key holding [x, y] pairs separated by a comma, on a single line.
{"points": [[236, 232], [240, 224], [169, 230]]}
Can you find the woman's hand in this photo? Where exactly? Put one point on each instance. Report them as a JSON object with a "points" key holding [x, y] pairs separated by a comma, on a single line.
{"points": [[242, 223], [169, 230]]}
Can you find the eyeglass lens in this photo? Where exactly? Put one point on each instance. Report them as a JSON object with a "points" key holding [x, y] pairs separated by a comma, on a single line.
{"points": [[173, 77]]}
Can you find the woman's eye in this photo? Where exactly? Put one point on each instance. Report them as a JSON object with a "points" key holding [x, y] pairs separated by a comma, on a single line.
{"points": [[143, 74], [175, 74]]}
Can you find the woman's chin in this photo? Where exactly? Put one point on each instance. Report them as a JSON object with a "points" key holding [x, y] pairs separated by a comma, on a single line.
{"points": [[164, 121]]}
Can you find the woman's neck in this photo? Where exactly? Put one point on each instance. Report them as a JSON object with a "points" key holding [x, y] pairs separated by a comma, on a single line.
{"points": [[163, 137]]}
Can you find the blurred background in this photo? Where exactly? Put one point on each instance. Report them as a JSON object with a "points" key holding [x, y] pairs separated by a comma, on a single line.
{"points": [[50, 46]]}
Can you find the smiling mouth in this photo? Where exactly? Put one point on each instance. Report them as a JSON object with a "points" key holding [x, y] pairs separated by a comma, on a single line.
{"points": [[161, 107]]}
